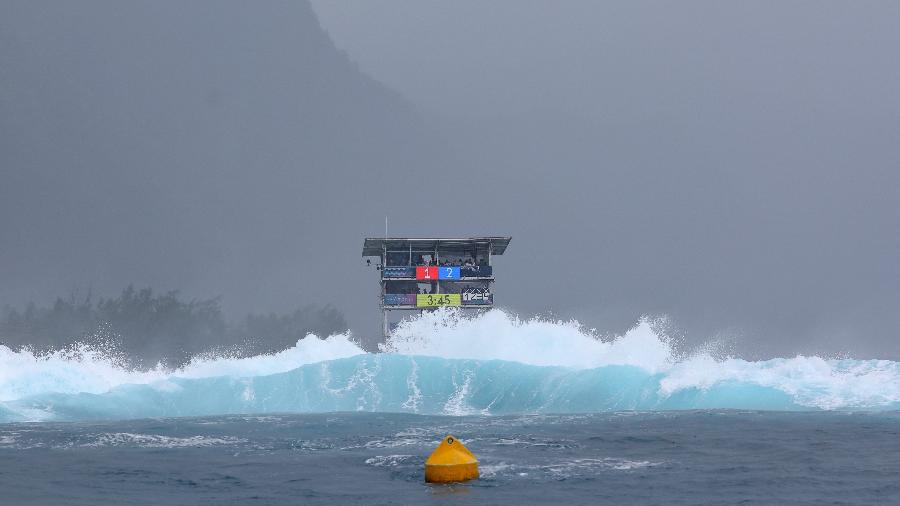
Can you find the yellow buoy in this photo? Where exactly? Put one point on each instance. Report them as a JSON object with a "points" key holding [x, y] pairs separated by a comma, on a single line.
{"points": [[449, 462]]}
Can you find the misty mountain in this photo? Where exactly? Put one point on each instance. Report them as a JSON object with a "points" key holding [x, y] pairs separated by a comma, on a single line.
{"points": [[222, 148]]}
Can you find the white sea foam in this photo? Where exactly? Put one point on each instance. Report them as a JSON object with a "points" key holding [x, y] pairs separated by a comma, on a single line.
{"points": [[565, 469], [157, 441], [581, 467], [497, 335], [806, 381], [412, 385], [388, 460], [87, 370], [810, 381], [308, 350]]}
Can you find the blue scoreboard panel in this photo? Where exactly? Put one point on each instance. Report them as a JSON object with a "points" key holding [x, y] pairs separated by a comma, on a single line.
{"points": [[448, 272]]}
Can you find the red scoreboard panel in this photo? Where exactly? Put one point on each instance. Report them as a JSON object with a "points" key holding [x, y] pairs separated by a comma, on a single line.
{"points": [[424, 272]]}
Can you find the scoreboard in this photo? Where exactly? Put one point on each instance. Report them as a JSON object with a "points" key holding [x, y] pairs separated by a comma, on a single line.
{"points": [[430, 273], [438, 299], [435, 272]]}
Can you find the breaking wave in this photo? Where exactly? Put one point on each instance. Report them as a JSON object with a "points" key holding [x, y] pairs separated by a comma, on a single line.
{"points": [[443, 363]]}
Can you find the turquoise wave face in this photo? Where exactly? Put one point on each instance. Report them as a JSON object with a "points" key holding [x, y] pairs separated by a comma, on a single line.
{"points": [[417, 384], [443, 363]]}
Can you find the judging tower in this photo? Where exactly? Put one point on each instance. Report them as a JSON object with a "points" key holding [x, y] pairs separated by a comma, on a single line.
{"points": [[423, 274]]}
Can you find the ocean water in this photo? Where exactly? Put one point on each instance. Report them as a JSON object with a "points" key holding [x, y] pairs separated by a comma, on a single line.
{"points": [[552, 413], [677, 457]]}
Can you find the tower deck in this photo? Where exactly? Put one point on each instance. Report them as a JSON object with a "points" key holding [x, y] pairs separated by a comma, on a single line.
{"points": [[420, 274]]}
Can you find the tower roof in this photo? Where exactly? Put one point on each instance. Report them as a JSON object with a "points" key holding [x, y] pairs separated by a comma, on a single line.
{"points": [[373, 246]]}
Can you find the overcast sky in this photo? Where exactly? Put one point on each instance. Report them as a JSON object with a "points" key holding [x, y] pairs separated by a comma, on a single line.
{"points": [[752, 146], [625, 58], [732, 165]]}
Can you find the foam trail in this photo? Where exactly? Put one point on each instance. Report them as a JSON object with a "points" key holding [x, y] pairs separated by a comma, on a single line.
{"points": [[442, 363]]}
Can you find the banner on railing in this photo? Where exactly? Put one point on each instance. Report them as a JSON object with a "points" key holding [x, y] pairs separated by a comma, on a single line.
{"points": [[476, 271], [477, 296], [399, 272], [399, 299], [432, 272], [469, 297]]}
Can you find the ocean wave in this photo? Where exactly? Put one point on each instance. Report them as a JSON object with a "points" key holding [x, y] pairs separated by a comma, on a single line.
{"points": [[442, 363]]}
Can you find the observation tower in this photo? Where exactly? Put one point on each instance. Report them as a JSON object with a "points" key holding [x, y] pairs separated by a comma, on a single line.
{"points": [[422, 274]]}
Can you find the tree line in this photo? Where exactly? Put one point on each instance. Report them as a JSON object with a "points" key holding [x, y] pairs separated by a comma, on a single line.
{"points": [[147, 328]]}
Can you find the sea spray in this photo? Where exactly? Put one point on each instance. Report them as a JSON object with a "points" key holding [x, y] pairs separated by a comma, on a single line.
{"points": [[443, 363], [496, 335], [87, 369]]}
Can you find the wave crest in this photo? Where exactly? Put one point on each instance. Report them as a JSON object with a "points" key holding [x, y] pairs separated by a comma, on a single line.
{"points": [[442, 363]]}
